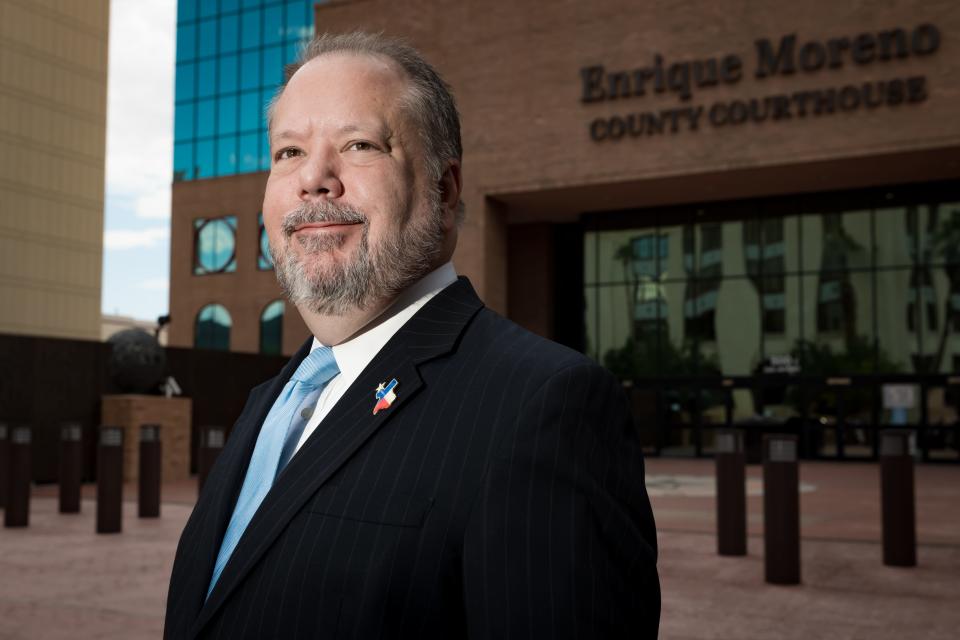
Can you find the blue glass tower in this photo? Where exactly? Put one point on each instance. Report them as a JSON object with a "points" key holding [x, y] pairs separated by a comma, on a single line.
{"points": [[230, 60]]}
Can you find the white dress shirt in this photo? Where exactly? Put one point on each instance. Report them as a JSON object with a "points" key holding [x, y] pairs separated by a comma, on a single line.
{"points": [[355, 354]]}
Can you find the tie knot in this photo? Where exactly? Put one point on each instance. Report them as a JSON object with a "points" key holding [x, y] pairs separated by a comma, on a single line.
{"points": [[317, 368]]}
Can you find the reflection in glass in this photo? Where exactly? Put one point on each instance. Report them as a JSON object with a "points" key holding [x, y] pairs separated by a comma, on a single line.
{"points": [[185, 85], [248, 152], [206, 118], [272, 66], [264, 150], [204, 160], [228, 73], [921, 301], [237, 47], [250, 24], [227, 115], [227, 156], [214, 245], [299, 22], [207, 8], [250, 69], [836, 298], [229, 32], [764, 252], [703, 264], [186, 42], [250, 119], [182, 161], [271, 328], [265, 258], [272, 25], [186, 10], [945, 247], [212, 330], [207, 38], [294, 48], [183, 122]]}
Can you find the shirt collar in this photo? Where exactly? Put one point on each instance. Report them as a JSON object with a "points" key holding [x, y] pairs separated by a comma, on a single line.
{"points": [[355, 354]]}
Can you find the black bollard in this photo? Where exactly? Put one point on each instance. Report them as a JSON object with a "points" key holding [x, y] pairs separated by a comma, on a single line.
{"points": [[897, 499], [731, 494], [211, 442], [781, 509], [149, 481], [71, 467], [18, 472], [110, 480], [4, 461]]}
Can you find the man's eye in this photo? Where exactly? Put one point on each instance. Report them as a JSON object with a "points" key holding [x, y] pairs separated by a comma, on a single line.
{"points": [[287, 153], [361, 145]]}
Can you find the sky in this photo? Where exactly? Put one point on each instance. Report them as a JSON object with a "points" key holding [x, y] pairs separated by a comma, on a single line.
{"points": [[136, 238]]}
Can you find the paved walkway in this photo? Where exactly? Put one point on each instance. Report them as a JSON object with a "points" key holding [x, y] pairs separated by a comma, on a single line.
{"points": [[58, 579]]}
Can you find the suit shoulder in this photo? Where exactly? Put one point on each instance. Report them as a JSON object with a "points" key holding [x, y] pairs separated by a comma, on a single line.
{"points": [[516, 346]]}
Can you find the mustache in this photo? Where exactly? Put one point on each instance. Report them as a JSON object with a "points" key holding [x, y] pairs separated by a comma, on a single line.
{"points": [[321, 211]]}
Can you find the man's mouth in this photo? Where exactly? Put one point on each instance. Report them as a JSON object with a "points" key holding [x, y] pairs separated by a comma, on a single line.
{"points": [[324, 226]]}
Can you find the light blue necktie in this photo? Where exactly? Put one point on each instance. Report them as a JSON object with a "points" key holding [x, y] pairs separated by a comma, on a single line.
{"points": [[281, 425]]}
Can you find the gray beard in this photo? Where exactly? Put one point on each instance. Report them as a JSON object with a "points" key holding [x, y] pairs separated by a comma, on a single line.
{"points": [[384, 271]]}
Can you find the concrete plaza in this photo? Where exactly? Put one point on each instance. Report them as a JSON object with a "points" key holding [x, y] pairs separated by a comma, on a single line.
{"points": [[59, 579]]}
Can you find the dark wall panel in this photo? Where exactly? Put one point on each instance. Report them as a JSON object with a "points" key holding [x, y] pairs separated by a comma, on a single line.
{"points": [[45, 382]]}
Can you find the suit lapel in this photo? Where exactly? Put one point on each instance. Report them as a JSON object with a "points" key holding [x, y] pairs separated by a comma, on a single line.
{"points": [[202, 539], [430, 333]]}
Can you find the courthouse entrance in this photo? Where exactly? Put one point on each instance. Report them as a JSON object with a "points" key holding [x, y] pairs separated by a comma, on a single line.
{"points": [[827, 315]]}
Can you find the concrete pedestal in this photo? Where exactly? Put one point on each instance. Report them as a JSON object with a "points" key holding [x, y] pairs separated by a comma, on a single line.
{"points": [[130, 411]]}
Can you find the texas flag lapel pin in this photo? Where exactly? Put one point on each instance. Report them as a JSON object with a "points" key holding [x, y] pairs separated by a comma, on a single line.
{"points": [[385, 396]]}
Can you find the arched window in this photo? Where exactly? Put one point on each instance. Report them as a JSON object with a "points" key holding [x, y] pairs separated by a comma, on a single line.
{"points": [[264, 259], [214, 245], [213, 328], [271, 328]]}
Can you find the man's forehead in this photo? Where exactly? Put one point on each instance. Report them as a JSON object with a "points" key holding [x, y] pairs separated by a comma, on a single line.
{"points": [[350, 67], [362, 80]]}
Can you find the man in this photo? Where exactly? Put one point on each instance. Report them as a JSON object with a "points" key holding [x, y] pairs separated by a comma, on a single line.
{"points": [[422, 468]]}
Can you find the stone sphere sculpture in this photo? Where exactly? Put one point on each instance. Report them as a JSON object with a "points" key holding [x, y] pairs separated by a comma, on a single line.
{"points": [[137, 362]]}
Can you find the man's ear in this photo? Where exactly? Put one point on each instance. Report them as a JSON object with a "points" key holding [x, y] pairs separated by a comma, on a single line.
{"points": [[451, 187]]}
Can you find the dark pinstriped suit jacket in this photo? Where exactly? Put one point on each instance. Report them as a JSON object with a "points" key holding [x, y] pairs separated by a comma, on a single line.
{"points": [[501, 496]]}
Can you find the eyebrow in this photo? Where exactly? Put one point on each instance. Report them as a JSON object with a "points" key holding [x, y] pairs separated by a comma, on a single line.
{"points": [[381, 130]]}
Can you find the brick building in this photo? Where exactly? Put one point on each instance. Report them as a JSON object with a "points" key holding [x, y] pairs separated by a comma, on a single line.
{"points": [[713, 189]]}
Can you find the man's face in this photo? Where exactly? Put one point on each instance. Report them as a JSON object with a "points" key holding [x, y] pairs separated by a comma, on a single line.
{"points": [[349, 209]]}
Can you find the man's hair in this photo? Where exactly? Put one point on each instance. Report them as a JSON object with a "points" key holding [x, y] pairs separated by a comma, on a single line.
{"points": [[429, 99]]}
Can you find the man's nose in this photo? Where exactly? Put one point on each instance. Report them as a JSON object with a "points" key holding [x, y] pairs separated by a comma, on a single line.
{"points": [[320, 177]]}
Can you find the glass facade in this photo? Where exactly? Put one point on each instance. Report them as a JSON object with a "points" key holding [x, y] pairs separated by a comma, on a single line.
{"points": [[271, 328], [828, 285], [212, 329], [230, 60], [700, 309]]}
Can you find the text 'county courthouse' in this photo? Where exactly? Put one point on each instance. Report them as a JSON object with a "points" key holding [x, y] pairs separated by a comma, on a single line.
{"points": [[705, 198]]}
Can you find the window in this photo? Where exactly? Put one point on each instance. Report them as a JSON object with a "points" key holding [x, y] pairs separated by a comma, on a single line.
{"points": [[186, 42], [214, 244], [763, 250], [646, 263], [212, 329], [227, 156], [207, 37], [271, 328], [705, 270], [230, 58], [182, 161], [921, 289], [265, 258]]}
